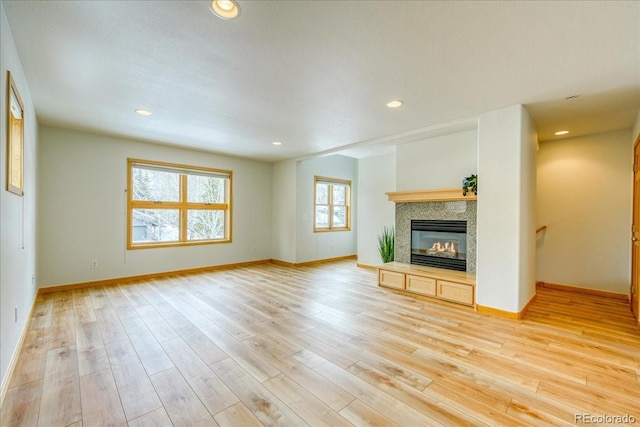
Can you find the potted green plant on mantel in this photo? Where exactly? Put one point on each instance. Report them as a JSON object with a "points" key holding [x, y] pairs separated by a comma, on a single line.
{"points": [[387, 244], [470, 184]]}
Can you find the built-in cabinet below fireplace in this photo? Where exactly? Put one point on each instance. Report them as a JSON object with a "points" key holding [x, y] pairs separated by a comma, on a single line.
{"points": [[448, 285]]}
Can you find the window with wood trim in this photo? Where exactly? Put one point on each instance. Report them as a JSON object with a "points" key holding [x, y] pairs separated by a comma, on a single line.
{"points": [[175, 205], [332, 210]]}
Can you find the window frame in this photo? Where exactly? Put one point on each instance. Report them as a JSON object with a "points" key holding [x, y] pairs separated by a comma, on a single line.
{"points": [[331, 182], [183, 206]]}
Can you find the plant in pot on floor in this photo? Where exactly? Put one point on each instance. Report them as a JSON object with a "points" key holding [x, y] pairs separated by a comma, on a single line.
{"points": [[387, 244]]}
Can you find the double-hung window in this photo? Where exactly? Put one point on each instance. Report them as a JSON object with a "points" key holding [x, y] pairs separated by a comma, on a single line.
{"points": [[173, 205], [332, 204]]}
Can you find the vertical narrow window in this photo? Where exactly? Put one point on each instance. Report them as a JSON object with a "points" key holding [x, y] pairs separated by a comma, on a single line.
{"points": [[15, 139], [173, 205], [332, 204]]}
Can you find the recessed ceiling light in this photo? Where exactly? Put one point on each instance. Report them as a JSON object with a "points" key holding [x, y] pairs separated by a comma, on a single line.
{"points": [[562, 132], [143, 112], [395, 103], [225, 9], [276, 143]]}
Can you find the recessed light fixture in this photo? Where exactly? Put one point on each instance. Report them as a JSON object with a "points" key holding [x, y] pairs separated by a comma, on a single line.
{"points": [[142, 112], [561, 132], [225, 9], [276, 143], [395, 103]]}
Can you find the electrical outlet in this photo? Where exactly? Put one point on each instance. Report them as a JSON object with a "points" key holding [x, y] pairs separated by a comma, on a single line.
{"points": [[33, 279], [94, 263], [253, 249]]}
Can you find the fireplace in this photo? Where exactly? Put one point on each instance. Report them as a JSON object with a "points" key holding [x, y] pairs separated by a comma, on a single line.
{"points": [[439, 243], [463, 211]]}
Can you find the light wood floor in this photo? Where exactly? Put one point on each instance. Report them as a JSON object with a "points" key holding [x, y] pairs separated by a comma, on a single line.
{"points": [[271, 345]]}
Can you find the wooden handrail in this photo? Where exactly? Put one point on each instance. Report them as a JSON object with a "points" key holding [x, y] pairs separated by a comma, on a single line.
{"points": [[544, 227]]}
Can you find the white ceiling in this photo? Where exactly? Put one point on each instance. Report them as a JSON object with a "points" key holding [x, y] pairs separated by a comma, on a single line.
{"points": [[316, 74]]}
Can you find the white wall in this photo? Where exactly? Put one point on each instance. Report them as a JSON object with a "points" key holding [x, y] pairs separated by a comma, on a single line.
{"points": [[438, 162], [378, 176], [82, 209], [17, 214], [584, 198], [505, 211], [283, 245], [311, 246], [528, 214]]}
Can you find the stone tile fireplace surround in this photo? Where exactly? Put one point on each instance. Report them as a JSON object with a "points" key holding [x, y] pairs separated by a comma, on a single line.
{"points": [[435, 210]]}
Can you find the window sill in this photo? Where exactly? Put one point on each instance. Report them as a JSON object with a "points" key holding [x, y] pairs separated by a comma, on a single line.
{"points": [[329, 230], [175, 244]]}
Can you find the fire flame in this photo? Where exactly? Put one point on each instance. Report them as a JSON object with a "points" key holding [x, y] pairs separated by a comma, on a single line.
{"points": [[444, 247]]}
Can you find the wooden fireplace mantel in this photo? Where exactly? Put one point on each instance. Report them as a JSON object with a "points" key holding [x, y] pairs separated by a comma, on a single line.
{"points": [[429, 196]]}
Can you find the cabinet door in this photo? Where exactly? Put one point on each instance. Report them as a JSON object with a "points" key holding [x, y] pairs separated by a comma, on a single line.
{"points": [[456, 292], [421, 285], [391, 279]]}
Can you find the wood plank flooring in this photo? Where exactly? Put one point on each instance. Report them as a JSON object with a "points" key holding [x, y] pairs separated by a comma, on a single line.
{"points": [[318, 346]]}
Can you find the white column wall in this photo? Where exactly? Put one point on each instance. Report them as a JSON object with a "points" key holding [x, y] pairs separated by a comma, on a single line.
{"points": [[528, 212], [283, 208], [506, 185], [378, 176]]}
